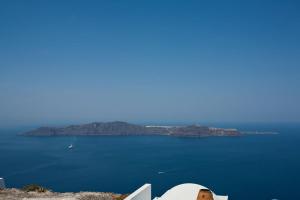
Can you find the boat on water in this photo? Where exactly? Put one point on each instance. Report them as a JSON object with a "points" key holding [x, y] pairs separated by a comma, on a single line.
{"points": [[70, 146]]}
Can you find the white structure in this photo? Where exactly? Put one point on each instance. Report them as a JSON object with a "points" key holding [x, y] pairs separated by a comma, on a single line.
{"points": [[2, 183], [143, 193], [187, 191]]}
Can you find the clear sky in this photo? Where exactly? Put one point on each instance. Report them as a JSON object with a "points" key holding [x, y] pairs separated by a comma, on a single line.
{"points": [[139, 61]]}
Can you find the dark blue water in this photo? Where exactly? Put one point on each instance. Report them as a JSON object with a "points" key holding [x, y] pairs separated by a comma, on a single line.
{"points": [[248, 167]]}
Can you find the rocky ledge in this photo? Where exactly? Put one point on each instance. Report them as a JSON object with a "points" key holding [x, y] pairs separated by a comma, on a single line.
{"points": [[17, 194]]}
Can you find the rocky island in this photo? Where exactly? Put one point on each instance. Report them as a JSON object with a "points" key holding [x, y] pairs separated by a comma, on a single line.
{"points": [[119, 128]]}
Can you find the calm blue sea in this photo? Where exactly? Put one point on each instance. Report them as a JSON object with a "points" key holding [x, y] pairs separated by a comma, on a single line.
{"points": [[250, 167]]}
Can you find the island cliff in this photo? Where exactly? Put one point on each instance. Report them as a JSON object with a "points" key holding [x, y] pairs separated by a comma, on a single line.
{"points": [[124, 128]]}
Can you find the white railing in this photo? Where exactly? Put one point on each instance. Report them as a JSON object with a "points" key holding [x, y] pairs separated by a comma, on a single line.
{"points": [[143, 193]]}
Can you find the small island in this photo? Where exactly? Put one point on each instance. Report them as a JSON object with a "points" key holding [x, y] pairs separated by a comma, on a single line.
{"points": [[119, 128]]}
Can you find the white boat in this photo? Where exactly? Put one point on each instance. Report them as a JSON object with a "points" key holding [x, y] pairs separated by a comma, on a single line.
{"points": [[70, 146]]}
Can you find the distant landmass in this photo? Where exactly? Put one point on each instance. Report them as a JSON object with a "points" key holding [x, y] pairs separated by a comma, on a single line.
{"points": [[124, 128]]}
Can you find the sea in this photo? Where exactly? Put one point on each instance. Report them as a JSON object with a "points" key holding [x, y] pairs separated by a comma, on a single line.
{"points": [[262, 167]]}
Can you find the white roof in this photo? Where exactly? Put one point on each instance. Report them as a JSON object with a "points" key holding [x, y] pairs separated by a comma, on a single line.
{"points": [[187, 191]]}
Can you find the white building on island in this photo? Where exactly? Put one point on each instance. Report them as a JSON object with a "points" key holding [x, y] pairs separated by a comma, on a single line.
{"points": [[187, 191]]}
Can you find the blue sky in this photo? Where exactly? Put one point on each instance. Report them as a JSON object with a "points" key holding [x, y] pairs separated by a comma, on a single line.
{"points": [[139, 61]]}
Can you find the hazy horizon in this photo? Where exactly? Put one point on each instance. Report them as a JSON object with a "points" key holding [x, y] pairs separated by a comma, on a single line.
{"points": [[65, 62]]}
